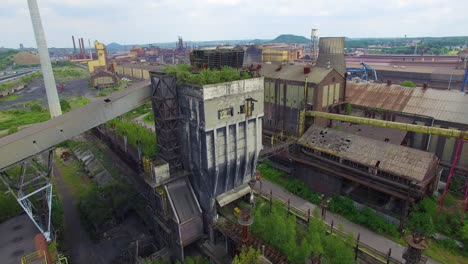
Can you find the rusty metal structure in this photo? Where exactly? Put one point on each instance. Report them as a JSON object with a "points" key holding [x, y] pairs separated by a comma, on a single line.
{"points": [[217, 57], [416, 245]]}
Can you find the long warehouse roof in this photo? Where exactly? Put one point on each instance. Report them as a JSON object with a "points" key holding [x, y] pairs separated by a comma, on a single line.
{"points": [[399, 160], [444, 105]]}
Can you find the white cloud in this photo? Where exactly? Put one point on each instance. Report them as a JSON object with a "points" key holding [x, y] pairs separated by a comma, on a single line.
{"points": [[143, 21]]}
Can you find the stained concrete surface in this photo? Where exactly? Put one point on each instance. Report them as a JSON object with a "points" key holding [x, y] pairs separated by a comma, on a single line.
{"points": [[16, 239]]}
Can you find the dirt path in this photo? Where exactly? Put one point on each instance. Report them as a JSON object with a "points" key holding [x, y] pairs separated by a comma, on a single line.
{"points": [[78, 244]]}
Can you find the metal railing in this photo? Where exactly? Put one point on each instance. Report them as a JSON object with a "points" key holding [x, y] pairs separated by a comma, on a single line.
{"points": [[362, 251]]}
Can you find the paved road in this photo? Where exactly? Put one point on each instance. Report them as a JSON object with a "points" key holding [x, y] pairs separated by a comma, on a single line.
{"points": [[367, 236], [77, 242]]}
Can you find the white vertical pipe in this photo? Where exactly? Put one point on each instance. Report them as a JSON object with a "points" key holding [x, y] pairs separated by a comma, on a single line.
{"points": [[46, 66]]}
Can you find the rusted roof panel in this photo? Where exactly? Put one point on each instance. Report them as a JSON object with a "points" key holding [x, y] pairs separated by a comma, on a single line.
{"points": [[399, 160], [444, 105]]}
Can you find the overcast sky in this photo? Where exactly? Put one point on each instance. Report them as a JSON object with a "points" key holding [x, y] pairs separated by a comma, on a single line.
{"points": [[150, 21]]}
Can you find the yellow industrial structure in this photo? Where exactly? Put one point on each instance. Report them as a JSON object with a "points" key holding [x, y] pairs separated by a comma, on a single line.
{"points": [[281, 54], [101, 62], [134, 52]]}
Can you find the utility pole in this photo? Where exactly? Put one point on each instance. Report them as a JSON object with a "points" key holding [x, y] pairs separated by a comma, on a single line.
{"points": [[46, 66]]}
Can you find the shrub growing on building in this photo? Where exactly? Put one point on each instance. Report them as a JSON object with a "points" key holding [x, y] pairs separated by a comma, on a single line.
{"points": [[185, 75], [408, 84]]}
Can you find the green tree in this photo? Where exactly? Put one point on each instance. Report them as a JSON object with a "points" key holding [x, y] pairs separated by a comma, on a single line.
{"points": [[196, 260], [421, 216], [247, 256]]}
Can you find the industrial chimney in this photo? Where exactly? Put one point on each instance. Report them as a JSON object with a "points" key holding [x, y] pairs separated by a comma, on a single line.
{"points": [[46, 66], [74, 45]]}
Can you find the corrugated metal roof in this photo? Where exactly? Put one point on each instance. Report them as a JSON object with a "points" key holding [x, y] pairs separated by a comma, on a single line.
{"points": [[295, 72], [444, 105], [398, 160]]}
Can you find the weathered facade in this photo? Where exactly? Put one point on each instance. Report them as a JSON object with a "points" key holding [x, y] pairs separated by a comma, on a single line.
{"points": [[209, 138], [289, 89], [222, 126]]}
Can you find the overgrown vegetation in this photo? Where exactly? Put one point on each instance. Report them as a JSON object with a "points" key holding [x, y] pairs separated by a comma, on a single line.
{"points": [[338, 204], [348, 108], [247, 256], [149, 118], [408, 84], [423, 219], [139, 111], [73, 103], [6, 59], [10, 98], [366, 217], [186, 76], [280, 230], [106, 91], [135, 133], [77, 102], [100, 208], [9, 207], [12, 119]]}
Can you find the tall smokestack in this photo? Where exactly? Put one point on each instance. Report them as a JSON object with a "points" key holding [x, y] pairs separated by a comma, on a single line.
{"points": [[46, 66], [90, 50], [79, 44], [74, 45], [82, 47]]}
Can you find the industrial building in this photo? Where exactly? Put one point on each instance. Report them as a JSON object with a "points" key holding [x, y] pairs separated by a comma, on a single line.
{"points": [[281, 53], [335, 157], [209, 138], [217, 57]]}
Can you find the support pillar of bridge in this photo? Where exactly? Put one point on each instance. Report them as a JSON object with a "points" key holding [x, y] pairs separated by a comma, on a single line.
{"points": [[32, 188]]}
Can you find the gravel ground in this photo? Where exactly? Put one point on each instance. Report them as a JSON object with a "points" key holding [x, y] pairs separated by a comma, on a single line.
{"points": [[36, 91]]}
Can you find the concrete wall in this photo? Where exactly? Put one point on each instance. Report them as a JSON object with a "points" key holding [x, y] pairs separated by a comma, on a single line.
{"points": [[223, 143]]}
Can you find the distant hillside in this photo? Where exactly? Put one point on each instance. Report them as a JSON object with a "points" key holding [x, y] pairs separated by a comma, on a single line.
{"points": [[114, 46], [287, 38], [26, 58]]}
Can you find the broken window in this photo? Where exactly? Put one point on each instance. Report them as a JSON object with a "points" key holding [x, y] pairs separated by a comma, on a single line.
{"points": [[225, 113], [242, 109]]}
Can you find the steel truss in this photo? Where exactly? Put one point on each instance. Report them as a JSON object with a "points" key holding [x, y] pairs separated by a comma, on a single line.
{"points": [[32, 188]]}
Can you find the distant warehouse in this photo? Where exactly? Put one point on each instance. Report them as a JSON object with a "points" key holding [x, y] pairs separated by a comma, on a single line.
{"points": [[217, 57]]}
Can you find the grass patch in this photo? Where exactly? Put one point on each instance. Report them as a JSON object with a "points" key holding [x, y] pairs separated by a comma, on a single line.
{"points": [[106, 91], [10, 98], [73, 175], [78, 102], [12, 119], [67, 73], [149, 118], [134, 133], [444, 255], [139, 111]]}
